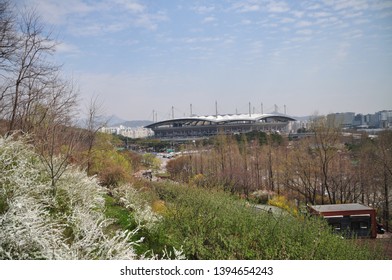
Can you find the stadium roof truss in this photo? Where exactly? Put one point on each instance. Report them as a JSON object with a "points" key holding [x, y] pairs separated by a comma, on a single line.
{"points": [[204, 126]]}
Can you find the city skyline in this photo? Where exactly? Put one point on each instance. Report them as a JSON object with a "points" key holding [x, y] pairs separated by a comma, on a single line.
{"points": [[138, 56]]}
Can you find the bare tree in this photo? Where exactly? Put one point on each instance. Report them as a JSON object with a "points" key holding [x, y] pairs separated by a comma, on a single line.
{"points": [[383, 158], [8, 44], [30, 70], [55, 136], [326, 146], [94, 123], [8, 37], [302, 174]]}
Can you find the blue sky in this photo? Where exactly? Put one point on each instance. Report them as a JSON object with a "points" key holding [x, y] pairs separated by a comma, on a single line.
{"points": [[143, 55]]}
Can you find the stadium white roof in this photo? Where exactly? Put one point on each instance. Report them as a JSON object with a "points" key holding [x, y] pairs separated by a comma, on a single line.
{"points": [[227, 118]]}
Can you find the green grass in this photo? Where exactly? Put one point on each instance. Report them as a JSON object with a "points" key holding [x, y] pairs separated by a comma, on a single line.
{"points": [[122, 217], [123, 220]]}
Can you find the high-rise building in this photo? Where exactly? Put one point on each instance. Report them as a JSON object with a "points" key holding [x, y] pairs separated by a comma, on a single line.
{"points": [[344, 120]]}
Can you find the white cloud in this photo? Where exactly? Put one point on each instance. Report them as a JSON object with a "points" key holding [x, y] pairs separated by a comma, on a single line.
{"points": [[246, 22], [150, 21], [327, 21], [269, 25], [361, 21], [246, 6], [319, 14], [287, 20], [353, 34], [131, 5], [65, 48], [278, 7], [304, 23], [347, 4], [300, 39], [313, 6], [192, 40], [88, 29], [209, 19], [93, 18], [229, 40], [250, 8], [56, 12], [381, 5], [306, 32], [351, 14], [203, 9], [298, 14]]}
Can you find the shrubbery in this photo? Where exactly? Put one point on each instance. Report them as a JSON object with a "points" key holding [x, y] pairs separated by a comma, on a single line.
{"points": [[38, 223], [211, 224], [282, 202]]}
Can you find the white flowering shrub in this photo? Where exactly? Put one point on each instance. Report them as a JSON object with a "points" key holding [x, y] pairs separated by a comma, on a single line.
{"points": [[147, 220], [38, 223], [131, 199], [26, 229], [81, 204]]}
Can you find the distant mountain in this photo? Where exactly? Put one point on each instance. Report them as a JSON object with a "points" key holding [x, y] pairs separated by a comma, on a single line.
{"points": [[303, 118], [113, 120], [137, 123]]}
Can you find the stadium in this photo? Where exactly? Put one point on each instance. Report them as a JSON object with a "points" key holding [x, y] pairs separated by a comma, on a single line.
{"points": [[206, 126]]}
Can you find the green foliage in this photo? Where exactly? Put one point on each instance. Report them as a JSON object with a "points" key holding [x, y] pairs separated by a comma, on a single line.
{"points": [[199, 180], [153, 145], [133, 158], [130, 209], [111, 166], [122, 217], [209, 224], [282, 202], [151, 161]]}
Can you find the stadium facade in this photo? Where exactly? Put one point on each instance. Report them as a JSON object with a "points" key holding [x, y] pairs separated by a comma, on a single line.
{"points": [[205, 126]]}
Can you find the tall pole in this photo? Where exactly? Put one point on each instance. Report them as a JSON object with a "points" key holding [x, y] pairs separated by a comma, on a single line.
{"points": [[250, 113], [262, 108], [191, 109], [153, 115], [172, 112], [216, 108], [285, 109]]}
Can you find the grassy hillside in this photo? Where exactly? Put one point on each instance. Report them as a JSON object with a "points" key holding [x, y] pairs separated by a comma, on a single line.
{"points": [[212, 224]]}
